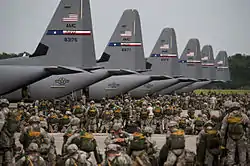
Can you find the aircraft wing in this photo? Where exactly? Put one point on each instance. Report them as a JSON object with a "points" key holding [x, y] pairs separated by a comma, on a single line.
{"points": [[184, 79], [160, 77], [143, 71], [58, 70], [92, 68]]}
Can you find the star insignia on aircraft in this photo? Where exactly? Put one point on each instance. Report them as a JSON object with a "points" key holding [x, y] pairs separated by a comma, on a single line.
{"points": [[148, 86], [61, 81], [113, 85]]}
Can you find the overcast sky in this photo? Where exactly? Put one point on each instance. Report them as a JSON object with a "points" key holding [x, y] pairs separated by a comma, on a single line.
{"points": [[225, 24]]}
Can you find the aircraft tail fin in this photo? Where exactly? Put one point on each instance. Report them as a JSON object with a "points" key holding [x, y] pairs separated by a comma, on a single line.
{"points": [[164, 56], [208, 65], [68, 39], [190, 60], [222, 66], [125, 44]]}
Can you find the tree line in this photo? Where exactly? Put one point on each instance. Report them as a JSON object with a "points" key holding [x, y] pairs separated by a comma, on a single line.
{"points": [[239, 66]]}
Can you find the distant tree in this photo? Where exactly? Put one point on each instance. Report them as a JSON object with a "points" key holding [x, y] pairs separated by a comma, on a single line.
{"points": [[239, 66], [9, 55]]}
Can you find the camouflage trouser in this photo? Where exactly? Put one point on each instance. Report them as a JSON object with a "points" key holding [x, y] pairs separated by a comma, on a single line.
{"points": [[176, 157], [141, 157], [91, 124], [52, 156], [144, 123], [165, 122], [209, 158], [106, 125], [231, 151], [6, 158]]}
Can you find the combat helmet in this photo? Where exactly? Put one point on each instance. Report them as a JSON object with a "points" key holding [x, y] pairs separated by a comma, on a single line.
{"points": [[72, 148], [34, 119]]}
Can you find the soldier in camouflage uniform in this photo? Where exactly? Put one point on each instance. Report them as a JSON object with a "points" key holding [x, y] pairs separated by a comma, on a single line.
{"points": [[126, 112], [35, 134], [86, 142], [75, 157], [116, 157], [137, 149], [144, 114], [32, 157], [51, 157], [117, 111], [92, 114], [72, 129], [7, 140], [79, 111], [158, 112], [53, 121], [152, 149], [117, 136], [64, 121], [106, 123], [235, 131], [208, 146]]}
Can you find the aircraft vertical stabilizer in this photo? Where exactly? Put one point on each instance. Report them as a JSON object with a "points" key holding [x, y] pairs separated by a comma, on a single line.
{"points": [[208, 65], [125, 48], [164, 56], [222, 67], [164, 61], [190, 60], [68, 39]]}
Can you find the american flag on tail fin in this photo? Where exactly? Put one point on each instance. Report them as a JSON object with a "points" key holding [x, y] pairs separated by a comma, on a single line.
{"points": [[70, 18]]}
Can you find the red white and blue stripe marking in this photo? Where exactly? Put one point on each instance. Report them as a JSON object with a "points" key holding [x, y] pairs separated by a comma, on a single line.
{"points": [[189, 61], [63, 32], [117, 44], [164, 55]]}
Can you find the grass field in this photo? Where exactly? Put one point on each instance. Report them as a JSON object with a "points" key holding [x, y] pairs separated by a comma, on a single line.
{"points": [[222, 91]]}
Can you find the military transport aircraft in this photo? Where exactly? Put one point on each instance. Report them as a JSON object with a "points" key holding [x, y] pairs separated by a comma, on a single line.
{"points": [[124, 50], [163, 60], [68, 41]]}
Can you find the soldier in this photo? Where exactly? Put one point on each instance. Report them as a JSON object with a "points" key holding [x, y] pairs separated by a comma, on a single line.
{"points": [[158, 112], [76, 157], [234, 131], [117, 111], [79, 111], [106, 123], [85, 142], [34, 133], [126, 112], [152, 149], [7, 140], [51, 158], [198, 124], [208, 146], [92, 114], [72, 129], [117, 136], [116, 157], [175, 148], [4, 106], [137, 149], [64, 121], [53, 121], [32, 157], [144, 114]]}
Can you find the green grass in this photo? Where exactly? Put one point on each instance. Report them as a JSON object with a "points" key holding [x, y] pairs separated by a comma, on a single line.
{"points": [[222, 91]]}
